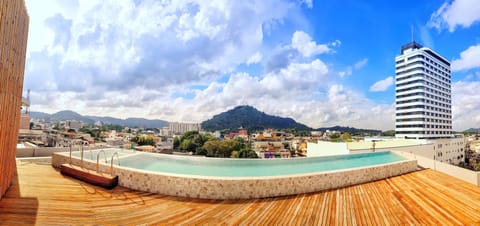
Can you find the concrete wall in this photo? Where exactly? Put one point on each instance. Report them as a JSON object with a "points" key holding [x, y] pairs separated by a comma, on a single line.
{"points": [[454, 171], [13, 45], [450, 150], [323, 148], [47, 151], [244, 187]]}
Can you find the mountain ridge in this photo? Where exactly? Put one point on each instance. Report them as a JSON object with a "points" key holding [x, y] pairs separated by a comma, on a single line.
{"points": [[71, 115]]}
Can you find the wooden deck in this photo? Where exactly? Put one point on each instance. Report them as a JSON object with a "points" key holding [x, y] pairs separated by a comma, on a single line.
{"points": [[41, 195]]}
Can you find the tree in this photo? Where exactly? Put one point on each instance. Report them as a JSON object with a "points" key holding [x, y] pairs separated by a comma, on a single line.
{"points": [[192, 141], [346, 136], [477, 167], [334, 136], [235, 154], [176, 143], [247, 153], [390, 133], [222, 149], [143, 140], [188, 145]]}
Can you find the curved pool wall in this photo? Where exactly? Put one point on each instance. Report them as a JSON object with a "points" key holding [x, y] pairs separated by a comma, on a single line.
{"points": [[218, 187]]}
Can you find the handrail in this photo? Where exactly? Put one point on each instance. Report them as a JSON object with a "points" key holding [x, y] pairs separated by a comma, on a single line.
{"points": [[98, 155], [91, 152], [111, 162], [81, 158], [70, 154]]}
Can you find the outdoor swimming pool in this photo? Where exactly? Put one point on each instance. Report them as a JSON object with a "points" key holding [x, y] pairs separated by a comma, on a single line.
{"points": [[187, 165], [216, 178]]}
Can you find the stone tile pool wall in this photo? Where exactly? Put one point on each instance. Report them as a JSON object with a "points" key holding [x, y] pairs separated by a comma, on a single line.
{"points": [[243, 187]]}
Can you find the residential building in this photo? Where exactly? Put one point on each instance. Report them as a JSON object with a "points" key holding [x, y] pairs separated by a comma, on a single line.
{"points": [[73, 124], [13, 46], [180, 128], [423, 94]]}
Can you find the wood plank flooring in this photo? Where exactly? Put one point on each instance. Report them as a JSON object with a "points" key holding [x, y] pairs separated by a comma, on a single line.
{"points": [[41, 195]]}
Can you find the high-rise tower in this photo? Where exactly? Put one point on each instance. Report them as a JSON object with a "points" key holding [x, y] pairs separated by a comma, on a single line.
{"points": [[423, 94]]}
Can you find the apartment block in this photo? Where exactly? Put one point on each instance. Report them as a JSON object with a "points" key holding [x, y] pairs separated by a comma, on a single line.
{"points": [[423, 94]]}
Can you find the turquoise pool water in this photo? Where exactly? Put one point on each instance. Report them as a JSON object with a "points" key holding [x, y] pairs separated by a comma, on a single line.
{"points": [[201, 166]]}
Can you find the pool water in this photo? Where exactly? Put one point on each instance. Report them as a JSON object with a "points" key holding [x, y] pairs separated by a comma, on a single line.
{"points": [[252, 167]]}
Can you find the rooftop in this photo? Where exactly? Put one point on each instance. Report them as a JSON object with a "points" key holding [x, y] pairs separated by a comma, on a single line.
{"points": [[41, 195], [411, 45]]}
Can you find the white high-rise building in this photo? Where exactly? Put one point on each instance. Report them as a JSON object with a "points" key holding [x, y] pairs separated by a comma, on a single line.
{"points": [[423, 94]]}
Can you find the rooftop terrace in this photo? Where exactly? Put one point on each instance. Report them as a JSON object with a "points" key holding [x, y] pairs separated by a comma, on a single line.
{"points": [[41, 195]]}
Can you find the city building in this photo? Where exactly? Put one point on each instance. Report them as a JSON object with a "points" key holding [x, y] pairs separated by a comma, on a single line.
{"points": [[13, 46], [424, 103], [423, 94], [73, 124], [181, 128]]}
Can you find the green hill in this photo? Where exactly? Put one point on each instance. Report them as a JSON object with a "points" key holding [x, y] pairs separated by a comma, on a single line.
{"points": [[249, 118]]}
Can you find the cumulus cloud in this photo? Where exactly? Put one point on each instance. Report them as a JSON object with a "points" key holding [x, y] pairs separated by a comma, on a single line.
{"points": [[382, 85], [302, 42], [301, 46], [465, 105], [360, 64], [121, 45], [357, 66], [309, 3], [255, 58], [346, 72], [456, 13], [315, 103], [147, 59], [470, 58]]}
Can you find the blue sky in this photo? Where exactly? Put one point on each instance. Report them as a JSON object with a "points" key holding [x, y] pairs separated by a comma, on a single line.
{"points": [[323, 63]]}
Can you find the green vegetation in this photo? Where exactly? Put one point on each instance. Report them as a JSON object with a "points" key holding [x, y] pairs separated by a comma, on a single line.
{"points": [[205, 144], [336, 137], [346, 136], [191, 141], [390, 133], [351, 130], [96, 131], [144, 140], [234, 148], [298, 133], [477, 167]]}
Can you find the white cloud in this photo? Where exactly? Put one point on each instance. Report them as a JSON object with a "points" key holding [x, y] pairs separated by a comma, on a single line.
{"points": [[465, 105], [456, 13], [347, 72], [302, 42], [255, 58], [315, 104], [309, 3], [360, 64], [470, 58], [382, 85], [121, 45], [145, 58]]}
